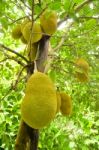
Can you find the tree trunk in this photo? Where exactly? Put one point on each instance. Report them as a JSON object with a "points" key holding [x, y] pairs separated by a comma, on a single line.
{"points": [[27, 138]]}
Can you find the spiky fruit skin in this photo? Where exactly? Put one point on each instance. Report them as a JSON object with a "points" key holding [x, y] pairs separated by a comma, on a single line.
{"points": [[48, 22], [66, 104], [82, 64], [32, 50], [23, 24], [58, 101], [36, 34], [82, 77], [82, 70], [16, 32], [40, 103]]}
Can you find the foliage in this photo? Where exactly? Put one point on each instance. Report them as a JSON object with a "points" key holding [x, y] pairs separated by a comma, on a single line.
{"points": [[80, 131]]}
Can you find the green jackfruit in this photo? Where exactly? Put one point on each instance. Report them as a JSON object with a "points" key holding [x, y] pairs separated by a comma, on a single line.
{"points": [[66, 104], [36, 34], [16, 32], [23, 24], [40, 102], [82, 69], [82, 77], [48, 22], [82, 64]]}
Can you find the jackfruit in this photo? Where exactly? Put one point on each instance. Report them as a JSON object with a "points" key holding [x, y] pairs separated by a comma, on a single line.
{"points": [[82, 70], [16, 32], [36, 34], [58, 101], [23, 24], [48, 21], [23, 40], [82, 77], [82, 64], [66, 104], [32, 51], [40, 102]]}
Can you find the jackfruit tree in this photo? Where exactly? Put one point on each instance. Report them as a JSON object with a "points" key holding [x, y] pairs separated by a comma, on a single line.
{"points": [[49, 74]]}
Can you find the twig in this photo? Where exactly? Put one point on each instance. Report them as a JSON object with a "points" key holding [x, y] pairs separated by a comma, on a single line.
{"points": [[12, 51], [50, 59], [8, 17], [3, 60], [18, 61], [15, 59], [76, 9], [64, 60], [64, 38], [18, 77], [89, 31], [80, 6], [88, 17], [8, 92], [41, 13], [19, 6], [18, 19], [55, 67], [25, 4], [13, 87], [32, 10]]}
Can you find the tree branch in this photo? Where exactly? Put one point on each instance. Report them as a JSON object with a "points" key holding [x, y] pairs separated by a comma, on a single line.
{"points": [[18, 78], [32, 10], [64, 37], [6, 94], [17, 4], [80, 6], [15, 59], [76, 9], [18, 19], [8, 17], [1, 61], [12, 51], [88, 17], [25, 4], [41, 12]]}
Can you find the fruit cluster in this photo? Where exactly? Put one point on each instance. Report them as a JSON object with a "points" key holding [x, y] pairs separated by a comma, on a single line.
{"points": [[32, 32], [42, 101]]}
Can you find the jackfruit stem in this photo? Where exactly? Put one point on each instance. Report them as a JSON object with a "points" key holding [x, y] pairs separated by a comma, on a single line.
{"points": [[35, 67], [37, 53]]}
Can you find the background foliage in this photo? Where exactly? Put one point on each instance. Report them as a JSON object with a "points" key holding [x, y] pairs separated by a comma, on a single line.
{"points": [[81, 130]]}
